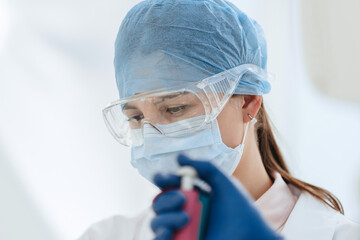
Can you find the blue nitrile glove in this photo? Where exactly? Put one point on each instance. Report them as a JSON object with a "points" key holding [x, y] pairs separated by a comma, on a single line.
{"points": [[232, 214]]}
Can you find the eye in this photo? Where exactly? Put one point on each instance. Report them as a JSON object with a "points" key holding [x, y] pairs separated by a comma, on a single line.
{"points": [[136, 118], [176, 109]]}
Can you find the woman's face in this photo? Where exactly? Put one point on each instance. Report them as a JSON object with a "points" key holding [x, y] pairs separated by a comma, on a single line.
{"points": [[173, 108]]}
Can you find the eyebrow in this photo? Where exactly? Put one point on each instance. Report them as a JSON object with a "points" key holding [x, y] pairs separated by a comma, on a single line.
{"points": [[170, 96], [127, 107], [161, 99]]}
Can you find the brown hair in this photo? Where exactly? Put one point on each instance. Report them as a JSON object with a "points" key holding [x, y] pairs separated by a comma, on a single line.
{"points": [[274, 162]]}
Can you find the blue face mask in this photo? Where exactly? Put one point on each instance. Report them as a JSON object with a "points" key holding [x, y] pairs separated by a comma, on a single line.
{"points": [[159, 153]]}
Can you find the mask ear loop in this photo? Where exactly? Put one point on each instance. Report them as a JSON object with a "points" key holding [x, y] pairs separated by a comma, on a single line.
{"points": [[253, 121]]}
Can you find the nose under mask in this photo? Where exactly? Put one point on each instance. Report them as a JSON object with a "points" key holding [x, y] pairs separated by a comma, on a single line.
{"points": [[159, 153]]}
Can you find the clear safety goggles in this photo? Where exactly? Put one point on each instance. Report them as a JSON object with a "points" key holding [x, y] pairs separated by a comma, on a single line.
{"points": [[175, 111]]}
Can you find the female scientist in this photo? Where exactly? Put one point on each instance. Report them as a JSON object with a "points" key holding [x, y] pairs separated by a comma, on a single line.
{"points": [[191, 75]]}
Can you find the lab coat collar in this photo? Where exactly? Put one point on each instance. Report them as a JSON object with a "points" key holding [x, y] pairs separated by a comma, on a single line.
{"points": [[310, 219]]}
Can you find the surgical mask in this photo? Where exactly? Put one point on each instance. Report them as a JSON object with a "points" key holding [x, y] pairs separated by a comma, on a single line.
{"points": [[158, 153]]}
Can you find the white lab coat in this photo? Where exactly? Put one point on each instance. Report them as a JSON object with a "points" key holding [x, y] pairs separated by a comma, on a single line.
{"points": [[309, 220]]}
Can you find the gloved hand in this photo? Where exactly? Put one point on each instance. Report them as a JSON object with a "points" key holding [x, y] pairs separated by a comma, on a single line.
{"points": [[232, 215]]}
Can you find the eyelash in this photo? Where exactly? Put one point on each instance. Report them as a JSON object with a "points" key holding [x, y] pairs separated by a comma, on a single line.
{"points": [[178, 108], [135, 118], [172, 110]]}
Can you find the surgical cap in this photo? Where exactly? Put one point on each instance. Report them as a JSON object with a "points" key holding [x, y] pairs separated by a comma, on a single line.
{"points": [[163, 43]]}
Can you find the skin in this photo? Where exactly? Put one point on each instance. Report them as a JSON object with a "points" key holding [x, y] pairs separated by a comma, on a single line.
{"points": [[232, 122]]}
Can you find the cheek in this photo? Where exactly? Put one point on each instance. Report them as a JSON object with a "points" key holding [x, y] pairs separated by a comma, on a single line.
{"points": [[231, 126]]}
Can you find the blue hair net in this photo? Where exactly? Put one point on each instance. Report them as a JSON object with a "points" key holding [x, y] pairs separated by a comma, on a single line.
{"points": [[162, 43]]}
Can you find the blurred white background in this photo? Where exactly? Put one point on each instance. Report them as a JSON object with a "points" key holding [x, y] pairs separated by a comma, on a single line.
{"points": [[60, 170]]}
